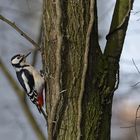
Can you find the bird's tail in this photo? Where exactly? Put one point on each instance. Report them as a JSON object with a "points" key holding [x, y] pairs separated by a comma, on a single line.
{"points": [[41, 111]]}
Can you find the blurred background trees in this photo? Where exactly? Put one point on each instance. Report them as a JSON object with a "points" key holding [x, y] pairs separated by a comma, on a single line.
{"points": [[27, 15]]}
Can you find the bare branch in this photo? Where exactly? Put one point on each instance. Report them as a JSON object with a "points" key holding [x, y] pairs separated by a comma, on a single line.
{"points": [[19, 93], [13, 25], [135, 84], [123, 20], [135, 65], [118, 29], [136, 122], [137, 71], [136, 12], [34, 58], [132, 126]]}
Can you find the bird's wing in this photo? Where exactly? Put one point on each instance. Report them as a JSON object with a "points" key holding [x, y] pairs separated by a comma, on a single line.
{"points": [[30, 80], [21, 81], [26, 80]]}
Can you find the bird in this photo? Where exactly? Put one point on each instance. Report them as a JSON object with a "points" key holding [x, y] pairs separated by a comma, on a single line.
{"points": [[30, 79]]}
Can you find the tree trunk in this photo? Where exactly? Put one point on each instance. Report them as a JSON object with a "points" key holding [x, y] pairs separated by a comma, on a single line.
{"points": [[81, 79]]}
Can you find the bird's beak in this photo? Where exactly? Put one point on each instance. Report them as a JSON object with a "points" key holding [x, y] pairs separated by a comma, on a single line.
{"points": [[27, 55]]}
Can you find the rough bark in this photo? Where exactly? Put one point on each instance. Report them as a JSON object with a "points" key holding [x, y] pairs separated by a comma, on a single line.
{"points": [[72, 57]]}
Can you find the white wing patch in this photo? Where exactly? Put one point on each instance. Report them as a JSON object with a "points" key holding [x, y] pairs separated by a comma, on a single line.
{"points": [[25, 82]]}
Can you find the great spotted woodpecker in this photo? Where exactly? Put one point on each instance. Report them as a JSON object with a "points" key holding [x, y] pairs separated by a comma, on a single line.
{"points": [[30, 79]]}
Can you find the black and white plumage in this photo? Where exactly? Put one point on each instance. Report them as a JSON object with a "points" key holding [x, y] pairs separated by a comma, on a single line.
{"points": [[30, 79]]}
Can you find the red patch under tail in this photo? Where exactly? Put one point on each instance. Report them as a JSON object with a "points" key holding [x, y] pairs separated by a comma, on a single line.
{"points": [[40, 100]]}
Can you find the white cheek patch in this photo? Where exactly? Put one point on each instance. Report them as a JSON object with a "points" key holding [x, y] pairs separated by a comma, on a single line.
{"points": [[15, 61], [25, 82]]}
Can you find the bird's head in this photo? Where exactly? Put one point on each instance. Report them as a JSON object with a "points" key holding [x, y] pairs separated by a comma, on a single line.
{"points": [[19, 60]]}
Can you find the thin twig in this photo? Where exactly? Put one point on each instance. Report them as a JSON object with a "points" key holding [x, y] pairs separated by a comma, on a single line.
{"points": [[89, 30], [135, 84], [136, 12], [137, 71], [136, 122], [136, 116], [13, 25], [128, 126], [135, 65]]}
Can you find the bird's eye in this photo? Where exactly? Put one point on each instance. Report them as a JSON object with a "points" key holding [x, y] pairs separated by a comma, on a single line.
{"points": [[18, 57]]}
